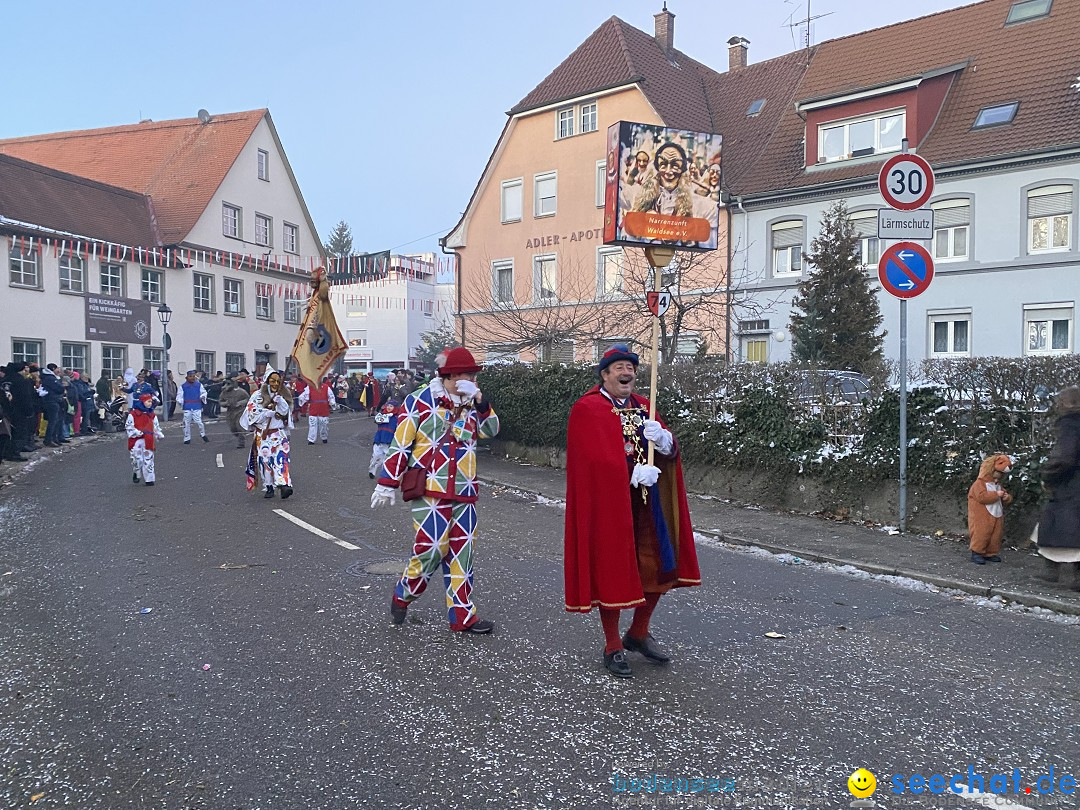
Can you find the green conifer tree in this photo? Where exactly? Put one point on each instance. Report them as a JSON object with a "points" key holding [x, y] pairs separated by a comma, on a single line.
{"points": [[340, 241]]}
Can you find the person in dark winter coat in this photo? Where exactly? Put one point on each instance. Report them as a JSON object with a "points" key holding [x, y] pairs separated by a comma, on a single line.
{"points": [[234, 399], [1059, 528]]}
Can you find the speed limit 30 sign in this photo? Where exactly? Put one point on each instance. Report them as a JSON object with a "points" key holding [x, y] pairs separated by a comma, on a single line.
{"points": [[906, 182]]}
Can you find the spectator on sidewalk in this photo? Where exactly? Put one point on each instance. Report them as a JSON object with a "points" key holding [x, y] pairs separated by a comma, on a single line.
{"points": [[86, 409], [52, 393], [104, 388], [628, 535], [9, 451], [21, 410], [1059, 527], [987, 499]]}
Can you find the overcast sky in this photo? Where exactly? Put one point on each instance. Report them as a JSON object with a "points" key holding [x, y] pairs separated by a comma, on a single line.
{"points": [[387, 110]]}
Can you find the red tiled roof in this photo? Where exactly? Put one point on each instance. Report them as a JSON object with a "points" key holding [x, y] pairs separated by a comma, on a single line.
{"points": [[179, 163], [56, 201]]}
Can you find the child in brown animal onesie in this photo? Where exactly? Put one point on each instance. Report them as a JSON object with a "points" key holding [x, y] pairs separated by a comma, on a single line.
{"points": [[987, 500]]}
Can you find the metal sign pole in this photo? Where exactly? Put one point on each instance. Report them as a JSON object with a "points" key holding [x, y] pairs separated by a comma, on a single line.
{"points": [[903, 414]]}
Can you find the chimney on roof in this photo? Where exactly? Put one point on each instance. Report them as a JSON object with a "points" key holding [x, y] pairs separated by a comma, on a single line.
{"points": [[736, 53], [665, 30]]}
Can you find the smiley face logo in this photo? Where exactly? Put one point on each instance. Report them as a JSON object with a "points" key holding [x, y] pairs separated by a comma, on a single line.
{"points": [[862, 783]]}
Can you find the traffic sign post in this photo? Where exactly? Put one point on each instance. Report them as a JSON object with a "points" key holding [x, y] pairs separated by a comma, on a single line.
{"points": [[906, 269]]}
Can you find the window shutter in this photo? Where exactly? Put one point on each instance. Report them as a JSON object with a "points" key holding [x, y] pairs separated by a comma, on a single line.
{"points": [[952, 217], [1048, 205], [788, 237], [865, 226]]}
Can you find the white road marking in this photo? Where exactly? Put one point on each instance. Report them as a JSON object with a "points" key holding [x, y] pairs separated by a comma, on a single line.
{"points": [[995, 800], [220, 463], [316, 531]]}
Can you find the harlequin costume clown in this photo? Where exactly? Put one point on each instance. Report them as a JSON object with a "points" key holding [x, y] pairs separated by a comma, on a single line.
{"points": [[142, 429], [385, 425], [193, 397], [317, 398], [628, 535], [987, 500], [437, 429], [268, 416]]}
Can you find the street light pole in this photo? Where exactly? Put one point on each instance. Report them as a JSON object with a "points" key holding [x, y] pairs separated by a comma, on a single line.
{"points": [[165, 314]]}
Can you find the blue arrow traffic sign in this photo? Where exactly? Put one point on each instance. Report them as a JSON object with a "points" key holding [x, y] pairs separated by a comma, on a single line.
{"points": [[906, 269]]}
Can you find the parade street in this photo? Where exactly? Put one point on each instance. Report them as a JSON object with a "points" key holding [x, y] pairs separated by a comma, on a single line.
{"points": [[192, 645]]}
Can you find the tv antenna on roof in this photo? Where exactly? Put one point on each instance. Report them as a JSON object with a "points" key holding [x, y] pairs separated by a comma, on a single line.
{"points": [[808, 33]]}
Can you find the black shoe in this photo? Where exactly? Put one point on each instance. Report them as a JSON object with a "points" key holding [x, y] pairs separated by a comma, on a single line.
{"points": [[480, 627], [285, 492], [397, 613], [64, 441], [269, 492], [993, 558], [50, 444], [15, 457], [187, 441], [206, 439], [615, 663], [978, 559], [371, 476], [647, 647], [134, 478], [311, 442], [324, 441], [149, 483]]}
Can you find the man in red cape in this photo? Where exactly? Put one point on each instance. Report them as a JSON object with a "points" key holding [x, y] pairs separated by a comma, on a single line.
{"points": [[628, 534]]}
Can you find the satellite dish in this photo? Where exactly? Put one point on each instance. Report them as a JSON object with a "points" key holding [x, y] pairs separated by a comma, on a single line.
{"points": [[204, 117]]}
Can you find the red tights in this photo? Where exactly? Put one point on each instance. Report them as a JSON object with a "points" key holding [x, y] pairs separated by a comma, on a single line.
{"points": [[639, 628]]}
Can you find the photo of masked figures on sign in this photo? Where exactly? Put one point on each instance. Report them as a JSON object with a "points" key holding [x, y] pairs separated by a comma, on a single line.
{"points": [[663, 187]]}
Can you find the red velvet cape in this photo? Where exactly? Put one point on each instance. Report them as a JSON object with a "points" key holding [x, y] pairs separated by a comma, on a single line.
{"points": [[599, 555]]}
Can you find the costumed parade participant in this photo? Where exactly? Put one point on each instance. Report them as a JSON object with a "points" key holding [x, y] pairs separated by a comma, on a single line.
{"points": [[142, 430], [385, 425], [987, 500], [317, 398], [194, 399], [433, 459], [268, 416], [628, 534], [234, 401]]}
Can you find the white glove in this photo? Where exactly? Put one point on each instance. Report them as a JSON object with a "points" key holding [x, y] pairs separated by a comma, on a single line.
{"points": [[467, 389], [383, 496], [659, 436], [644, 474]]}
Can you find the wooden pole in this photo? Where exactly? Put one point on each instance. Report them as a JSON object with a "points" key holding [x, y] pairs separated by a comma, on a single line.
{"points": [[659, 258]]}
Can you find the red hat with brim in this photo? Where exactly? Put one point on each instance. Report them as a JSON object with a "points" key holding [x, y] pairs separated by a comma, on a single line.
{"points": [[458, 360]]}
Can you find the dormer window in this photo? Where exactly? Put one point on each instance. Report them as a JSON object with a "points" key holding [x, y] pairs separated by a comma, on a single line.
{"points": [[861, 137]]}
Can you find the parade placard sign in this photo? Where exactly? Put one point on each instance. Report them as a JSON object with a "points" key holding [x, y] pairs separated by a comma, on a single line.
{"points": [[118, 320], [662, 187]]}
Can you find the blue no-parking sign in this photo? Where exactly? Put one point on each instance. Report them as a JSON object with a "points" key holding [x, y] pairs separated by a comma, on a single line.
{"points": [[906, 269]]}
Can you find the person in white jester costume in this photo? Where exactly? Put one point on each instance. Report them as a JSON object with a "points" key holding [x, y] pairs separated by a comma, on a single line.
{"points": [[437, 429], [268, 416], [142, 429]]}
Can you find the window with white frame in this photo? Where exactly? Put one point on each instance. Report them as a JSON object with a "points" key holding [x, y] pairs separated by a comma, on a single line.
{"points": [[1048, 328], [510, 196], [1050, 210], [565, 123], [502, 281], [545, 191], [544, 274], [113, 361], [205, 361], [755, 349], [557, 351], [264, 302], [72, 273], [588, 117], [865, 225], [787, 240], [688, 343], [601, 182], [356, 337], [112, 279], [234, 361], [1025, 10], [73, 357], [859, 137], [152, 284], [294, 307], [950, 334], [264, 165], [609, 271], [428, 308], [290, 238], [27, 351], [203, 289], [263, 228], [25, 267], [952, 221], [233, 289], [154, 360], [230, 220]]}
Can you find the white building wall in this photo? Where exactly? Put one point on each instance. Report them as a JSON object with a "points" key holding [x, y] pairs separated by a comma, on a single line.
{"points": [[995, 283]]}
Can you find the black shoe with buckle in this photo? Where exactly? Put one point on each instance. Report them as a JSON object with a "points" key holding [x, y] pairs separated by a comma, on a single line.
{"points": [[647, 647], [397, 613], [615, 663], [480, 627]]}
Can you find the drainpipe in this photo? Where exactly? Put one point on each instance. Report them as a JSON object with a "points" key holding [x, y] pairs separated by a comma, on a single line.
{"points": [[457, 283]]}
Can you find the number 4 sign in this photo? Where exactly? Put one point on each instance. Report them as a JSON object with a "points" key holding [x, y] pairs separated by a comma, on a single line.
{"points": [[906, 182], [658, 302]]}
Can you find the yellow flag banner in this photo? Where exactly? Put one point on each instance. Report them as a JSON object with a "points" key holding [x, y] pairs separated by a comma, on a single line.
{"points": [[319, 343]]}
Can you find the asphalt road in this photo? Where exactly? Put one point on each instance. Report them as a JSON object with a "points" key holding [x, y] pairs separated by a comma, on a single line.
{"points": [[267, 674]]}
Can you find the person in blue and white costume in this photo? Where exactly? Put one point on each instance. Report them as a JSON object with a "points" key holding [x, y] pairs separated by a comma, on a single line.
{"points": [[193, 396]]}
